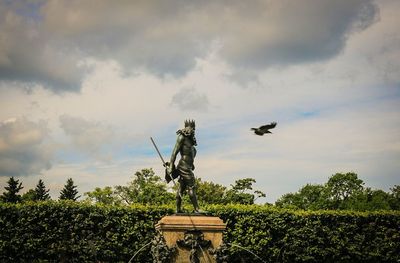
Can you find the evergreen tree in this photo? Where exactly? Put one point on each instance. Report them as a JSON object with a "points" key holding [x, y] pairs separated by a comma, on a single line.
{"points": [[41, 193], [69, 191], [11, 195]]}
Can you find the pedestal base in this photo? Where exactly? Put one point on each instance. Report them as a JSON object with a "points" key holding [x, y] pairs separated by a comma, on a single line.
{"points": [[193, 236]]}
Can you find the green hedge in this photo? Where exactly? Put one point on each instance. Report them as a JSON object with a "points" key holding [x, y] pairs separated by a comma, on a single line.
{"points": [[77, 232], [279, 235]]}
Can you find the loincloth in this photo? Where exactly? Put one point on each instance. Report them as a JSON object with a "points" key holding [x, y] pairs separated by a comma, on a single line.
{"points": [[186, 176]]}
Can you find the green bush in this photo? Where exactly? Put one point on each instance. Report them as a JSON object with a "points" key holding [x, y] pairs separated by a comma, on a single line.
{"points": [[77, 232], [74, 232], [279, 235]]}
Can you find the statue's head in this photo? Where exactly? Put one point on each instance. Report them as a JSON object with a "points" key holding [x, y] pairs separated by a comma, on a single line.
{"points": [[189, 130], [191, 124], [190, 127]]}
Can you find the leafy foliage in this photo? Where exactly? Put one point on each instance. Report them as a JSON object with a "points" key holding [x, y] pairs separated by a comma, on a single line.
{"points": [[69, 192], [341, 187], [30, 195], [145, 188], [280, 235], [104, 196], [308, 197], [67, 231], [394, 200], [237, 194], [341, 192], [240, 192], [209, 192], [11, 194]]}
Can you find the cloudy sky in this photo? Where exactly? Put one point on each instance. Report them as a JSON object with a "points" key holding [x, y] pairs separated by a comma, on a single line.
{"points": [[84, 84]]}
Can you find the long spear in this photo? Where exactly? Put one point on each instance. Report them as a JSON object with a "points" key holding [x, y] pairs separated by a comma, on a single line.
{"points": [[164, 163]]}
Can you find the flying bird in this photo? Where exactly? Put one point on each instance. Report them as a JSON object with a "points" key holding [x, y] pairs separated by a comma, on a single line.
{"points": [[264, 129]]}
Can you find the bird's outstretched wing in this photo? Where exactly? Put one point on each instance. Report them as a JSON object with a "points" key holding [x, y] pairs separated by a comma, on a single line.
{"points": [[268, 126], [264, 129]]}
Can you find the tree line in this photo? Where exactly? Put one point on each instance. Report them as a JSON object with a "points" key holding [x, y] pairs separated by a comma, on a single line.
{"points": [[40, 193], [145, 188], [342, 191]]}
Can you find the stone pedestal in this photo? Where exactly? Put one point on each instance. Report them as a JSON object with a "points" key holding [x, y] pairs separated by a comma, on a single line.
{"points": [[193, 236]]}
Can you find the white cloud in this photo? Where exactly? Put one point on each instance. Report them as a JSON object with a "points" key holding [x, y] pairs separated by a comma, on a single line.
{"points": [[23, 148], [190, 99], [89, 137]]}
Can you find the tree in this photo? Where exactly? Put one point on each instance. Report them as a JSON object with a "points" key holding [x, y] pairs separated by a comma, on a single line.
{"points": [[104, 196], [239, 193], [69, 191], [30, 195], [308, 197], [11, 195], [313, 197], [395, 197], [259, 194], [341, 187], [242, 185], [145, 188], [289, 200], [209, 192], [342, 191], [369, 200], [41, 193]]}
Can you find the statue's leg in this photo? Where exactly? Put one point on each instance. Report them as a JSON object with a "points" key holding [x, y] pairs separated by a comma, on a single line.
{"points": [[193, 197], [179, 194], [178, 203]]}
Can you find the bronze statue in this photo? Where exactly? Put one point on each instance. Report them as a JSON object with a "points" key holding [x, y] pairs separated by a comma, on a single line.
{"points": [[185, 145]]}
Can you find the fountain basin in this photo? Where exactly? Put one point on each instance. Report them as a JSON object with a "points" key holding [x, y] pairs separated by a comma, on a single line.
{"points": [[194, 236]]}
